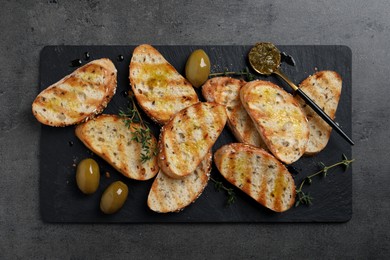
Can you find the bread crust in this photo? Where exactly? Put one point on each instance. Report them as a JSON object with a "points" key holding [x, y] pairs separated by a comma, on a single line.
{"points": [[109, 138], [257, 173], [226, 91], [159, 89], [188, 136], [77, 97], [324, 88], [278, 118]]}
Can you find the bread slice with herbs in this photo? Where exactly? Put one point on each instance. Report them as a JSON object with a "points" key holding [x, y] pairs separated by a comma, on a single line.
{"points": [[188, 136], [112, 139], [226, 91], [258, 174], [78, 96], [171, 195], [278, 118], [324, 88], [159, 89]]}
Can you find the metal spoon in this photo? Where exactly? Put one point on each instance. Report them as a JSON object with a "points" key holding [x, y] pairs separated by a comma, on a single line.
{"points": [[265, 58]]}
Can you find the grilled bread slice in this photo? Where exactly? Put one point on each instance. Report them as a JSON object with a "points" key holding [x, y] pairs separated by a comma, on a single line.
{"points": [[159, 89], [77, 97], [171, 195], [278, 118], [258, 174], [110, 138], [226, 91], [324, 87], [188, 136]]}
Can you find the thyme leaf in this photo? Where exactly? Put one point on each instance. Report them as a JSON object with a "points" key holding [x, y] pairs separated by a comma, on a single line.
{"points": [[231, 196], [303, 198], [143, 134], [245, 72]]}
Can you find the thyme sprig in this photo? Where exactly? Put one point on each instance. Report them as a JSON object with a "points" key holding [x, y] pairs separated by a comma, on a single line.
{"points": [[231, 196], [143, 134], [245, 72], [305, 198]]}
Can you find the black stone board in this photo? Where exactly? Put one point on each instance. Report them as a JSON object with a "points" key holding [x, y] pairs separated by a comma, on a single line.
{"points": [[60, 150]]}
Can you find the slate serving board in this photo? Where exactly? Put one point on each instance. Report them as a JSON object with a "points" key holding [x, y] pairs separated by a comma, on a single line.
{"points": [[60, 150]]}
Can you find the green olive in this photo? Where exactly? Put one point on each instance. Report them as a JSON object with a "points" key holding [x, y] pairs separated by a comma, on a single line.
{"points": [[114, 197], [198, 68], [88, 176]]}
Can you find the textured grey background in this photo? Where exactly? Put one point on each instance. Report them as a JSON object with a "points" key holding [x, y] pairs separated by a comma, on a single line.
{"points": [[27, 26]]}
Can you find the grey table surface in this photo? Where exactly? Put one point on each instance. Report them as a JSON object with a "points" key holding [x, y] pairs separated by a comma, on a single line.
{"points": [[27, 26]]}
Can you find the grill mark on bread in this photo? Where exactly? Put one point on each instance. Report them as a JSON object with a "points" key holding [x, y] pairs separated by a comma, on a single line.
{"points": [[258, 174], [202, 128], [263, 190], [155, 191], [247, 179], [255, 176], [248, 128], [278, 191], [189, 130], [174, 195], [92, 73], [175, 146], [121, 154], [232, 165], [191, 188]]}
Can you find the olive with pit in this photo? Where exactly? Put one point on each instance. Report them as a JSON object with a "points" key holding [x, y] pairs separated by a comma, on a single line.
{"points": [[114, 197], [88, 176], [198, 68]]}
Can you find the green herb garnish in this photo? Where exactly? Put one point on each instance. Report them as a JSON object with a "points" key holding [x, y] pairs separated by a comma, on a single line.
{"points": [[143, 134], [245, 72], [218, 185], [305, 198]]}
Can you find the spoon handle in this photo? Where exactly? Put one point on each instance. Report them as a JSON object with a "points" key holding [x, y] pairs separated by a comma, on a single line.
{"points": [[315, 107]]}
